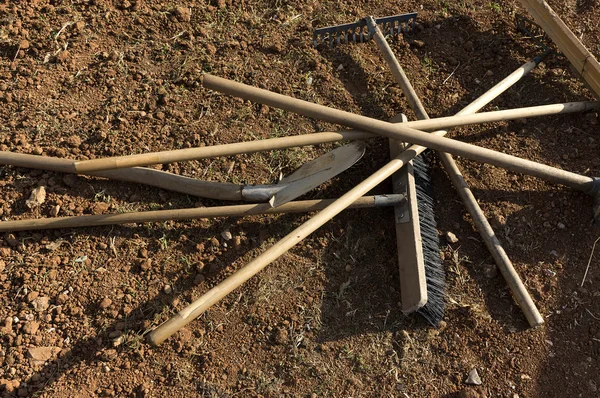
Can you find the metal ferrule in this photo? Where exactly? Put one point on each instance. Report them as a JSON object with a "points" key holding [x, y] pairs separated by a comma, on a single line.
{"points": [[594, 189], [389, 200], [260, 193]]}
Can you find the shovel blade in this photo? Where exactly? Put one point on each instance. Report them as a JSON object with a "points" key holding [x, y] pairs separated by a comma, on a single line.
{"points": [[317, 171]]}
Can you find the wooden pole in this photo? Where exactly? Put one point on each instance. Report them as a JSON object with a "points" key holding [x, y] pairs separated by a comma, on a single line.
{"points": [[193, 213], [582, 60]]}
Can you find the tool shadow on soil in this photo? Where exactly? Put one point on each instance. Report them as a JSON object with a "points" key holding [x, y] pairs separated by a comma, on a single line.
{"points": [[131, 329]]}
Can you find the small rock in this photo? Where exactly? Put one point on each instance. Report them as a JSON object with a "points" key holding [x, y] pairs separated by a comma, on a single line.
{"points": [[38, 196], [70, 180], [340, 67], [9, 385], [63, 56], [31, 327], [452, 61], [100, 207], [61, 299], [54, 210], [561, 225], [24, 44], [184, 335], [199, 279], [32, 296], [473, 378], [237, 241], [74, 141], [168, 289], [39, 355], [146, 264], [451, 238], [489, 73], [143, 253], [490, 270], [105, 303], [210, 49], [220, 328], [280, 336], [108, 355], [41, 303], [226, 235], [11, 240], [183, 14], [418, 43]]}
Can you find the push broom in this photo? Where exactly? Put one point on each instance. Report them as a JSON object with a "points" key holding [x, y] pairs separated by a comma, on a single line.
{"points": [[481, 223]]}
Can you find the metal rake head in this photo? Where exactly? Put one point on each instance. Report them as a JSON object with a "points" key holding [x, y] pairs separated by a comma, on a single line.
{"points": [[532, 30], [358, 32]]}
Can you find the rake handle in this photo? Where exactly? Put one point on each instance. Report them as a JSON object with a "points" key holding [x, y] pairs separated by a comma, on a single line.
{"points": [[399, 132], [483, 226]]}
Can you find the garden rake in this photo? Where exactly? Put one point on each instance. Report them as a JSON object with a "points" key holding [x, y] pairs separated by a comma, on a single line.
{"points": [[422, 279]]}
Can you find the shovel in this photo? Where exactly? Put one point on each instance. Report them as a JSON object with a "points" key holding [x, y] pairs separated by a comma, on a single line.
{"points": [[307, 177]]}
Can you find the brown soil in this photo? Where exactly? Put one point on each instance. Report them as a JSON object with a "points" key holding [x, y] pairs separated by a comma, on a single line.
{"points": [[96, 78]]}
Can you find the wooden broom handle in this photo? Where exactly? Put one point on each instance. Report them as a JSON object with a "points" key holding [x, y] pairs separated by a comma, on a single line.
{"points": [[192, 213]]}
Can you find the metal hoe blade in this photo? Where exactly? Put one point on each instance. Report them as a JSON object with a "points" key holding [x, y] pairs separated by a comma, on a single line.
{"points": [[358, 31], [317, 171]]}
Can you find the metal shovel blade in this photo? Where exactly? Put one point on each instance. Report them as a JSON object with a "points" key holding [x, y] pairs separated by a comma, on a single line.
{"points": [[317, 171]]}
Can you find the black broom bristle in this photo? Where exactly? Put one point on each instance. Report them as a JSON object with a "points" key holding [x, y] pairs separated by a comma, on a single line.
{"points": [[433, 311]]}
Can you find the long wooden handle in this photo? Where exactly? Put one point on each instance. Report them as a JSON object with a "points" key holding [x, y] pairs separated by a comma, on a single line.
{"points": [[193, 213], [481, 223], [179, 155], [188, 314], [582, 60], [195, 309], [399, 132]]}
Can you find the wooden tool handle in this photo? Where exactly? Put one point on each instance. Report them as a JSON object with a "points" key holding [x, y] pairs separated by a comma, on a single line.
{"points": [[193, 213], [582, 60]]}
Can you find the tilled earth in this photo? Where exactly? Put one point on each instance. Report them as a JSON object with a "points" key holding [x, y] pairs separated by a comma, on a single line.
{"points": [[96, 78]]}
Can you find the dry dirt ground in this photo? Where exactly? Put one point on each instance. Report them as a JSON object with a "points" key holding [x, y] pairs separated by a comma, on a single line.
{"points": [[83, 79]]}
